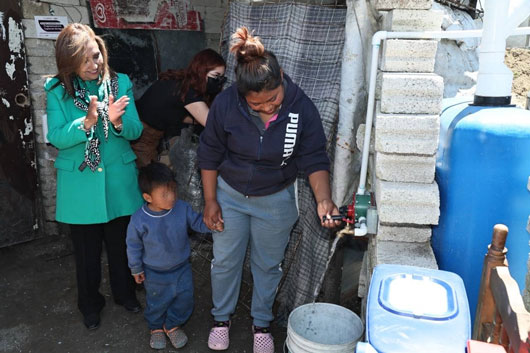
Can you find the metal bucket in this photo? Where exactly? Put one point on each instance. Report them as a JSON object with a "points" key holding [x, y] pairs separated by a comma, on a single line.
{"points": [[323, 328]]}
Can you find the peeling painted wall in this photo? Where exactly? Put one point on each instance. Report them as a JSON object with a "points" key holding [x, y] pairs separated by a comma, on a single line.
{"points": [[18, 174]]}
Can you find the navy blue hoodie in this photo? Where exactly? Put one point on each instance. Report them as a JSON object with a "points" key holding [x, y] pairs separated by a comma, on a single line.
{"points": [[258, 165]]}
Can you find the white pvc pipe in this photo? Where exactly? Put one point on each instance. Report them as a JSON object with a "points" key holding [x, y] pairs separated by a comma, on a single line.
{"points": [[376, 43], [494, 77], [363, 229]]}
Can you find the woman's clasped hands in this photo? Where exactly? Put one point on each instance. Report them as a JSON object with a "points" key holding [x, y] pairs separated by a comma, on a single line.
{"points": [[116, 110]]}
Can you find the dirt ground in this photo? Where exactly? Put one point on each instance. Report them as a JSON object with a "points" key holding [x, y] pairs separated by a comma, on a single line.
{"points": [[518, 60], [38, 312]]}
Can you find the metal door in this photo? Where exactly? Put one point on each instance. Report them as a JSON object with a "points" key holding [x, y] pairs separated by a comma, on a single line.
{"points": [[18, 175]]}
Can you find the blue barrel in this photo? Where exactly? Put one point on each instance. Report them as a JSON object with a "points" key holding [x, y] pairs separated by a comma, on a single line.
{"points": [[413, 309], [482, 170]]}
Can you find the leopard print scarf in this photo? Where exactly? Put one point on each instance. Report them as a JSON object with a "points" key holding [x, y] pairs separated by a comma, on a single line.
{"points": [[82, 101]]}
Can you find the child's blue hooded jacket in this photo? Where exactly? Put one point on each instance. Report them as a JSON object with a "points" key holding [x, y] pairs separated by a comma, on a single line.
{"points": [[254, 164]]}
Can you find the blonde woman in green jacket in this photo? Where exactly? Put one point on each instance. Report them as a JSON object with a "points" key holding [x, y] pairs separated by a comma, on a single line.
{"points": [[91, 119]]}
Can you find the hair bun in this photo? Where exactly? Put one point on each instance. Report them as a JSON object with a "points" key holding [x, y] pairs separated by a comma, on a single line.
{"points": [[245, 46]]}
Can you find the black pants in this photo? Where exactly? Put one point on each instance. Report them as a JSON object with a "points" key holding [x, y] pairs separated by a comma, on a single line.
{"points": [[88, 241]]}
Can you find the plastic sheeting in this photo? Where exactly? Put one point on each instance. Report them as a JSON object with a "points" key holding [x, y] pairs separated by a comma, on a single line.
{"points": [[183, 157]]}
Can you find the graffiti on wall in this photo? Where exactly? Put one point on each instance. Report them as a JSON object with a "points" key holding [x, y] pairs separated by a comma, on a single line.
{"points": [[142, 14]]}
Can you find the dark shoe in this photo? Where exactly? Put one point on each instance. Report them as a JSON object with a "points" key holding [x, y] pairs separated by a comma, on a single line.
{"points": [[91, 321], [132, 305]]}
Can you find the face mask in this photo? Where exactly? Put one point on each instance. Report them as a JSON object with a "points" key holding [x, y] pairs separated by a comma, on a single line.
{"points": [[215, 84]]}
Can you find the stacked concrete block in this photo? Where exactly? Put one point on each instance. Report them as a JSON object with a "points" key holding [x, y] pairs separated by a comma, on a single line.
{"points": [[407, 20], [404, 234], [406, 129], [403, 4], [401, 203], [401, 55], [411, 93], [406, 133], [404, 168], [402, 253]]}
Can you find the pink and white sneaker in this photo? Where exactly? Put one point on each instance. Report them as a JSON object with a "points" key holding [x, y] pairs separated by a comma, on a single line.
{"points": [[219, 338], [263, 341]]}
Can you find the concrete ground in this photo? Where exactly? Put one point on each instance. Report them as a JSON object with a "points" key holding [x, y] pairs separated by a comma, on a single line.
{"points": [[38, 310]]}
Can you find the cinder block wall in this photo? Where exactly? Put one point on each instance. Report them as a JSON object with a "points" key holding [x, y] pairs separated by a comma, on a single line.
{"points": [[41, 64], [406, 128]]}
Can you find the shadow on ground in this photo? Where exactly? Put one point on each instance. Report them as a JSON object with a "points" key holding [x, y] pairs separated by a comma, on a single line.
{"points": [[38, 310]]}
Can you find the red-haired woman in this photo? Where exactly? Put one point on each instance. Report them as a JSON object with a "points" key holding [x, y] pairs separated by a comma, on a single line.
{"points": [[178, 98]]}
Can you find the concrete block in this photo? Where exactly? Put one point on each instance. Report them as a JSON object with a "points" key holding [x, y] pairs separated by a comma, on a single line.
{"points": [[212, 13], [43, 65], [409, 55], [46, 155], [400, 20], [213, 3], [213, 41], [32, 8], [47, 186], [29, 28], [405, 168], [73, 13], [38, 99], [411, 93], [40, 47], [401, 253], [407, 234], [403, 4], [37, 125], [49, 215], [48, 202], [70, 2], [407, 203], [213, 25], [37, 81], [408, 134]]}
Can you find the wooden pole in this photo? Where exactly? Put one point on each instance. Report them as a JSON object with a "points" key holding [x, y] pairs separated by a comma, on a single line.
{"points": [[496, 256]]}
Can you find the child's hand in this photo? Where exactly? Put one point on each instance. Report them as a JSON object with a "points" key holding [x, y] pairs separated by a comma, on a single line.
{"points": [[139, 277]]}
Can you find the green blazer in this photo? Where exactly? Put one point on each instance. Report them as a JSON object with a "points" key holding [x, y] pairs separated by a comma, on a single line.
{"points": [[111, 191]]}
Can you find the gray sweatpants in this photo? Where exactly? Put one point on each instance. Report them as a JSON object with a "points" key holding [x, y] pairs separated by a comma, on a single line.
{"points": [[266, 223]]}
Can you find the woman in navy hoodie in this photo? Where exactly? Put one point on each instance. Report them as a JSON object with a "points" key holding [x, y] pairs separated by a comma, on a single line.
{"points": [[260, 132]]}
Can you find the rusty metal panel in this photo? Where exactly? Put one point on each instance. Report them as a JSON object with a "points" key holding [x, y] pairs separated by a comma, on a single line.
{"points": [[18, 176]]}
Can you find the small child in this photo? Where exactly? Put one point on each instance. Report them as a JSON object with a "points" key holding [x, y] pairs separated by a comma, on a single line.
{"points": [[158, 250]]}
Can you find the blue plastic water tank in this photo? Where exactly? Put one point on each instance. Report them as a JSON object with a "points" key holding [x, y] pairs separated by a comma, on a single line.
{"points": [[482, 170], [413, 309]]}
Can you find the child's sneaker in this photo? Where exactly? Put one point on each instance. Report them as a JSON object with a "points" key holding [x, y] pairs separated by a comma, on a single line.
{"points": [[219, 338], [263, 341], [158, 339], [177, 337]]}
